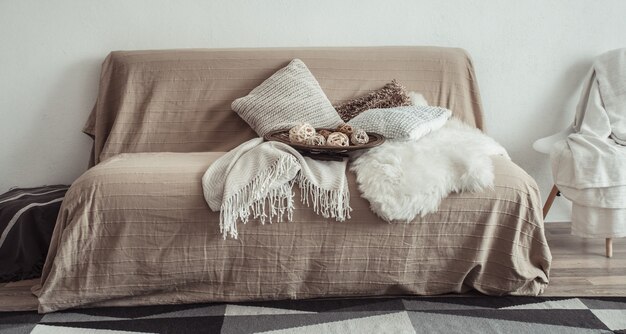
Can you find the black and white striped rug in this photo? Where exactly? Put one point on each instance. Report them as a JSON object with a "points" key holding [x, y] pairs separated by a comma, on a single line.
{"points": [[360, 315]]}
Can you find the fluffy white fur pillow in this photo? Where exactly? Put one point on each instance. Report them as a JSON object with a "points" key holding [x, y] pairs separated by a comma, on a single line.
{"points": [[290, 96]]}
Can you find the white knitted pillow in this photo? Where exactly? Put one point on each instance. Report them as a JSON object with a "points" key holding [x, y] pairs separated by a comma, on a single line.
{"points": [[402, 123], [290, 96]]}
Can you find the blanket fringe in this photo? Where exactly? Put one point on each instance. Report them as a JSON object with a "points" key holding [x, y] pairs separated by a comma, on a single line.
{"points": [[252, 198], [330, 203]]}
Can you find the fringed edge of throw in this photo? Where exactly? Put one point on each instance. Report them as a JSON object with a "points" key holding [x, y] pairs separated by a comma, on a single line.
{"points": [[330, 203], [280, 199]]}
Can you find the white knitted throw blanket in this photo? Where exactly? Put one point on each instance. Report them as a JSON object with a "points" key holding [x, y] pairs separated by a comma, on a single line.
{"points": [[256, 179]]}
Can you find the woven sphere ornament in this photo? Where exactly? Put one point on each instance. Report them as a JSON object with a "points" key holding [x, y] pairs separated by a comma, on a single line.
{"points": [[301, 132], [345, 128], [316, 140], [337, 139], [359, 137], [324, 133]]}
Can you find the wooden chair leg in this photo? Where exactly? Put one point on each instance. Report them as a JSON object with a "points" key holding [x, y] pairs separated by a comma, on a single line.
{"points": [[546, 207], [553, 194], [609, 247]]}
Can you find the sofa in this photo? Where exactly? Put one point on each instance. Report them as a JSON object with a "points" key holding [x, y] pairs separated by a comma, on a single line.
{"points": [[134, 229]]}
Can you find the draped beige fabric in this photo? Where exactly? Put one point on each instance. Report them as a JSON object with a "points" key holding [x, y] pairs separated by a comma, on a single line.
{"points": [[179, 100], [135, 229]]}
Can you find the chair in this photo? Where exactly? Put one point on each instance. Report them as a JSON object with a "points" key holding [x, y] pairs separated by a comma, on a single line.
{"points": [[544, 145], [589, 158]]}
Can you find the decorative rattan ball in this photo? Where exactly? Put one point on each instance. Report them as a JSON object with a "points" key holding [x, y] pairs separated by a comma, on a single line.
{"points": [[316, 140], [359, 137], [301, 132], [337, 139], [345, 128], [324, 132]]}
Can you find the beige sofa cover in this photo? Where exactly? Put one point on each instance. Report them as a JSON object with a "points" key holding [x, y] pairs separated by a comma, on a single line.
{"points": [[135, 230]]}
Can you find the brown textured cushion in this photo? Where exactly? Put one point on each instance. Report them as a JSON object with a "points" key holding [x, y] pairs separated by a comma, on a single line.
{"points": [[391, 95]]}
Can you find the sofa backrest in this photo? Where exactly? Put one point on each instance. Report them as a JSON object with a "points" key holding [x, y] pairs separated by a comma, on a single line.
{"points": [[179, 100]]}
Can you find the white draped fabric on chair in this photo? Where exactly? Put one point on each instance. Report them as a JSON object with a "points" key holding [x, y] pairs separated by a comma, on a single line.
{"points": [[589, 159]]}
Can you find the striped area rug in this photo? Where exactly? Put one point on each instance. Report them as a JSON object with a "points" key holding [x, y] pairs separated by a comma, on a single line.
{"points": [[27, 219], [360, 315]]}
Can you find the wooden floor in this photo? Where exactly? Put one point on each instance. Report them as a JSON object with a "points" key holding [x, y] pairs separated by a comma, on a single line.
{"points": [[16, 296], [579, 268]]}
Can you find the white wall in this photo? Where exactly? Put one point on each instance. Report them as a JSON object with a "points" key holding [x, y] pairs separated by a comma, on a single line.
{"points": [[530, 57]]}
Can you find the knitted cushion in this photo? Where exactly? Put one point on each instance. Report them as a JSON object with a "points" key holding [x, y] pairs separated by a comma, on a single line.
{"points": [[288, 97], [391, 95], [402, 123]]}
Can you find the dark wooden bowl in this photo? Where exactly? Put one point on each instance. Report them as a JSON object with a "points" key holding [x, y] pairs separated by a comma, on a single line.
{"points": [[324, 152]]}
